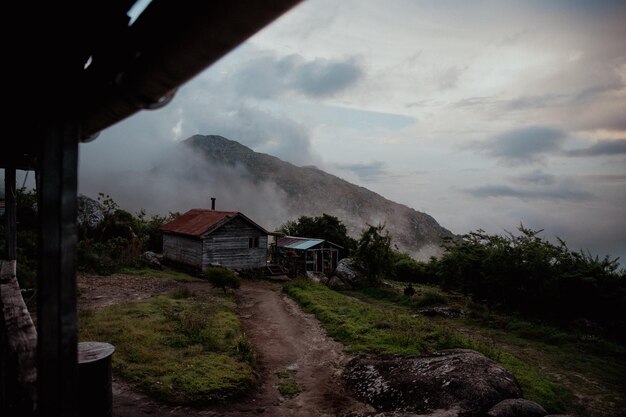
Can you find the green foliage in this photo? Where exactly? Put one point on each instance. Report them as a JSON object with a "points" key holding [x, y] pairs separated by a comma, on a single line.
{"points": [[120, 239], [407, 269], [369, 328], [325, 227], [380, 321], [222, 278], [180, 350], [374, 253], [27, 240], [288, 388], [531, 276]]}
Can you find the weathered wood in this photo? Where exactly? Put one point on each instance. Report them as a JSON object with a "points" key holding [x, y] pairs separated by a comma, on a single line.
{"points": [[20, 332], [9, 214], [56, 283], [229, 246], [183, 250]]}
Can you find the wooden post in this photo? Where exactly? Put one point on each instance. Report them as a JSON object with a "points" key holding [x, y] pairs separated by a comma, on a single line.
{"points": [[9, 213], [56, 284]]}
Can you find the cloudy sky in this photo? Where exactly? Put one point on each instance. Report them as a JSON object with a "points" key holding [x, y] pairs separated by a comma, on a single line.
{"points": [[484, 114]]}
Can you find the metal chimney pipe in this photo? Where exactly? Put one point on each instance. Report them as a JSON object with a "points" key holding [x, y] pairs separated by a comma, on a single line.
{"points": [[212, 203]]}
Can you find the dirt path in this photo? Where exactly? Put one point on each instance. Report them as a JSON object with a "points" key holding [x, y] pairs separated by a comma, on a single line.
{"points": [[287, 339], [290, 345]]}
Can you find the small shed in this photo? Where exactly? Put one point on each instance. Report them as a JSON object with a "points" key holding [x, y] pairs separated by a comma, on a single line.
{"points": [[201, 237], [301, 254]]}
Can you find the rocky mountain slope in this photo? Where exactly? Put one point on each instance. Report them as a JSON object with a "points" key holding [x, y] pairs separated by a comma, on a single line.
{"points": [[311, 192]]}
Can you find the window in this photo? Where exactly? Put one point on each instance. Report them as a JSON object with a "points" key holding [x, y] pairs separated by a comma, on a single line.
{"points": [[253, 242]]}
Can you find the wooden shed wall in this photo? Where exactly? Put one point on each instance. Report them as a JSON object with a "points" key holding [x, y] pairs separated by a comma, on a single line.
{"points": [[229, 246], [183, 250]]}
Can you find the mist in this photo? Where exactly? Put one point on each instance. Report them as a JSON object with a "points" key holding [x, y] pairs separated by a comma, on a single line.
{"points": [[179, 180]]}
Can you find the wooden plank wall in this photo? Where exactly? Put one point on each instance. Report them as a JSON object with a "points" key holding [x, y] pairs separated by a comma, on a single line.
{"points": [[229, 246], [183, 250]]}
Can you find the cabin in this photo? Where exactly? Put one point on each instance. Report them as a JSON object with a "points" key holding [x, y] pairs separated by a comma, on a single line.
{"points": [[301, 254], [200, 238]]}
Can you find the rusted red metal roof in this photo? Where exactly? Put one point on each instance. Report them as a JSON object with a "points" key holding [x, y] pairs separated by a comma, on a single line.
{"points": [[198, 222]]}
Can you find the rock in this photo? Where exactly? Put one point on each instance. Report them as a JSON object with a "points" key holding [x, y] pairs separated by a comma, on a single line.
{"points": [[337, 284], [517, 407], [348, 272], [435, 413], [316, 277], [457, 380], [152, 260], [90, 212], [559, 415], [443, 311]]}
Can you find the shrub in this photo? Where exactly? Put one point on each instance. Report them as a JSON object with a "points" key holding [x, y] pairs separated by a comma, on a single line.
{"points": [[223, 278]]}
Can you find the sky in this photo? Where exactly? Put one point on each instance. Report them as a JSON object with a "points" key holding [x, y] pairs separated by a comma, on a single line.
{"points": [[483, 114]]}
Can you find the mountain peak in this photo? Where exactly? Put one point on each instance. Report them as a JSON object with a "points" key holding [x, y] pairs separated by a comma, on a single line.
{"points": [[311, 191]]}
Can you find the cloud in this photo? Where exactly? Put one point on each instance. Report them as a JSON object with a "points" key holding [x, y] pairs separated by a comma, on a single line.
{"points": [[536, 177], [603, 147], [449, 78], [366, 171], [270, 76], [535, 102], [558, 192], [523, 146], [537, 185]]}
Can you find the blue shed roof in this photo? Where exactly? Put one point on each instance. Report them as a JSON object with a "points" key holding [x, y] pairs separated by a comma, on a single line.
{"points": [[300, 243]]}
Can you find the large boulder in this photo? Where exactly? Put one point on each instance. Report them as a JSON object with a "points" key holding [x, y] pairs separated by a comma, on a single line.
{"points": [[349, 274], [456, 380], [90, 212], [517, 407], [436, 413]]}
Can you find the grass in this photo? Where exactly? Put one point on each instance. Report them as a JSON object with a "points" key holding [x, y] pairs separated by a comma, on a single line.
{"points": [[379, 321], [166, 272], [288, 388], [594, 368], [180, 348]]}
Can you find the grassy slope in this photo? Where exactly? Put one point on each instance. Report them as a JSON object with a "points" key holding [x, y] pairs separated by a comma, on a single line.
{"points": [[382, 322], [181, 348]]}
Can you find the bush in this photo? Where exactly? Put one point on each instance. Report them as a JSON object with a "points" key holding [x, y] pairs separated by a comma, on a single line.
{"points": [[223, 278], [529, 275], [407, 269]]}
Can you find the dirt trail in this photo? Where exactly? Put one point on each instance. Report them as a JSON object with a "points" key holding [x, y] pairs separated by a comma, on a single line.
{"points": [[287, 341]]}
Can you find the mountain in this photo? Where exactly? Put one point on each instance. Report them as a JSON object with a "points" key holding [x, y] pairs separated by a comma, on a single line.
{"points": [[309, 191]]}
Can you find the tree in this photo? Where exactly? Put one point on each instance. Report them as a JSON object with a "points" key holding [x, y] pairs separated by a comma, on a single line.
{"points": [[325, 227], [374, 253]]}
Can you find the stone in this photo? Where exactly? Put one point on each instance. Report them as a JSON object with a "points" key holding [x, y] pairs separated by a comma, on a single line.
{"points": [[152, 260], [349, 273], [517, 407], [442, 311], [456, 380]]}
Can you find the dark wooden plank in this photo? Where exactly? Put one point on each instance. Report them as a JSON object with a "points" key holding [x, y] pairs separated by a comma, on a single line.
{"points": [[9, 213], [20, 331], [56, 284]]}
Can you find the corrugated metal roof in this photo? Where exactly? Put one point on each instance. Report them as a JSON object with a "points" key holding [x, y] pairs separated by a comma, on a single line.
{"points": [[197, 222], [300, 243]]}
